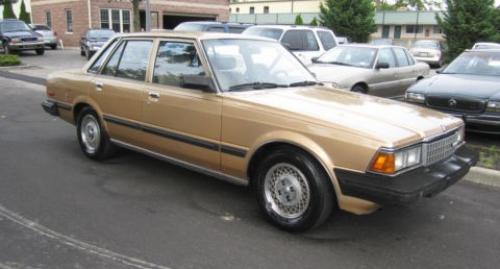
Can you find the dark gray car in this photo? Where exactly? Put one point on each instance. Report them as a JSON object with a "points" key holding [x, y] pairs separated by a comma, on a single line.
{"points": [[16, 35], [468, 88], [93, 40]]}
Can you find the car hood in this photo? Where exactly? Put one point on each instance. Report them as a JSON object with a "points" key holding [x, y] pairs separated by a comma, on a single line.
{"points": [[336, 73], [391, 122], [20, 34], [484, 87]]}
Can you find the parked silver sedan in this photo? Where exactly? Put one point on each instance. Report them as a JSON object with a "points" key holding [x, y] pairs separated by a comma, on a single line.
{"points": [[49, 36], [385, 71]]}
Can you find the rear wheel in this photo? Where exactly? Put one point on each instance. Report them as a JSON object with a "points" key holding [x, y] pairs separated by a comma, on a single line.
{"points": [[359, 88], [293, 190], [82, 52], [53, 46], [94, 141], [88, 54], [40, 51]]}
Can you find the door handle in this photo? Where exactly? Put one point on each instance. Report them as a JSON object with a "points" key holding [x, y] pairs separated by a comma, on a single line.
{"points": [[154, 95], [98, 86]]}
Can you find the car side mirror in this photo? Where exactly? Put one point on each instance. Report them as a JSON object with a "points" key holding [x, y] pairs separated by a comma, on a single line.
{"points": [[382, 65], [198, 82], [440, 70], [315, 60]]}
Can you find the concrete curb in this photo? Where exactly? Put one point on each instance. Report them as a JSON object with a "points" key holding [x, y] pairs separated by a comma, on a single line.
{"points": [[484, 176]]}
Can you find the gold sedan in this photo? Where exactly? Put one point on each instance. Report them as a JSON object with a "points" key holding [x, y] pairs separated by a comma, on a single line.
{"points": [[244, 109]]}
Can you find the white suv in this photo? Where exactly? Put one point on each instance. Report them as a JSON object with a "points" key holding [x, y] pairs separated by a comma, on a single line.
{"points": [[306, 42]]}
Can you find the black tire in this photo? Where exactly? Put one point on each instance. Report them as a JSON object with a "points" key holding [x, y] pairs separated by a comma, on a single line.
{"points": [[359, 88], [321, 193], [53, 46], [40, 51], [88, 54], [104, 149], [82, 52]]}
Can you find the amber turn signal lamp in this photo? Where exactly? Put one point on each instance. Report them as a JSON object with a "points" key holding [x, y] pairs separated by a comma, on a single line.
{"points": [[384, 163]]}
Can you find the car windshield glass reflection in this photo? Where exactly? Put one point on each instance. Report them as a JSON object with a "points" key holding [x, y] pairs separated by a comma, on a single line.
{"points": [[273, 33], [250, 64], [100, 34], [476, 63], [350, 56], [14, 26]]}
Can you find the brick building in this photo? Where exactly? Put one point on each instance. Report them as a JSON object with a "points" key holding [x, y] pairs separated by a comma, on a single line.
{"points": [[71, 18]]}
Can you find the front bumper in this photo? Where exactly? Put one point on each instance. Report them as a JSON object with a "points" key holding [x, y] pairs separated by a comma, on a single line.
{"points": [[27, 46], [481, 123], [407, 187]]}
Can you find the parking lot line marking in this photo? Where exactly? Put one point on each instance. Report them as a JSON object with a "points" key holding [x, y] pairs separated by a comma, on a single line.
{"points": [[75, 243]]}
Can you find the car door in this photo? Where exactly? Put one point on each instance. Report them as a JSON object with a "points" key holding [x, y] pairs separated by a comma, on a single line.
{"points": [[302, 43], [119, 89], [385, 80], [406, 72], [182, 117]]}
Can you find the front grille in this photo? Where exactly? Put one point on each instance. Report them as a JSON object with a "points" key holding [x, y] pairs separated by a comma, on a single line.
{"points": [[456, 104], [440, 149], [28, 39]]}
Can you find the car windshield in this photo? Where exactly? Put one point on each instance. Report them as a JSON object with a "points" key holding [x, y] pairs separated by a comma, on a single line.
{"points": [[14, 26], [426, 44], [273, 33], [189, 27], [101, 34], [241, 64], [349, 56], [476, 63]]}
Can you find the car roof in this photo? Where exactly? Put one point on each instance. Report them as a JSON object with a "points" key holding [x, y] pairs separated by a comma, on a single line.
{"points": [[373, 46], [194, 35], [288, 27], [216, 23]]}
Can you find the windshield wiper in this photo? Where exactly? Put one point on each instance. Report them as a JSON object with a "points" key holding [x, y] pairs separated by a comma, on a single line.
{"points": [[304, 83], [256, 86]]}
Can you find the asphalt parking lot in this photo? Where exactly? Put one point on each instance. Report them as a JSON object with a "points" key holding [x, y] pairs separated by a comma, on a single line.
{"points": [[59, 209]]}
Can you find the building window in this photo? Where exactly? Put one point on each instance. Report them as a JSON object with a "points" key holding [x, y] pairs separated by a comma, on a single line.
{"points": [[104, 18], [266, 9], [237, 10], [69, 21], [437, 30], [412, 29], [116, 19], [48, 19], [252, 10], [385, 31], [126, 20]]}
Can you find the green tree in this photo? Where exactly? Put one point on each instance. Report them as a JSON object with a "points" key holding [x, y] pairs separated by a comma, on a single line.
{"points": [[352, 18], [314, 22], [23, 15], [465, 23], [496, 23], [8, 12], [299, 20]]}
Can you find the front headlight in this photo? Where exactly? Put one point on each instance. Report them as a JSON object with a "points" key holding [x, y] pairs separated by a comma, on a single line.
{"points": [[415, 97], [15, 40], [392, 161], [493, 106]]}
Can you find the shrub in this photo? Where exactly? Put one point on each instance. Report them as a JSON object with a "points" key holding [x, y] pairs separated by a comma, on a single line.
{"points": [[9, 60]]}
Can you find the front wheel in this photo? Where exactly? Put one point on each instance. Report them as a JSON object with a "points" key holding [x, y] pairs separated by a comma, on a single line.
{"points": [[359, 88], [93, 140], [293, 190], [40, 51]]}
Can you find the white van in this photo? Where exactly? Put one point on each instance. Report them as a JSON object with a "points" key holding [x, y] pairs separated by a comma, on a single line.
{"points": [[306, 42]]}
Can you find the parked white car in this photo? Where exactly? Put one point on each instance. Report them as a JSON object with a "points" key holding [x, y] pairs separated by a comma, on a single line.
{"points": [[486, 45], [428, 51], [378, 70], [49, 36], [306, 42]]}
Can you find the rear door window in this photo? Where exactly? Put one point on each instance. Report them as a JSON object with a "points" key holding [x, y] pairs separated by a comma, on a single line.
{"points": [[401, 57], [300, 40], [130, 60], [327, 39]]}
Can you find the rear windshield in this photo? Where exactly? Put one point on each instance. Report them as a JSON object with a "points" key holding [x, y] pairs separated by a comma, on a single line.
{"points": [[101, 33], [273, 33], [426, 44], [327, 39]]}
